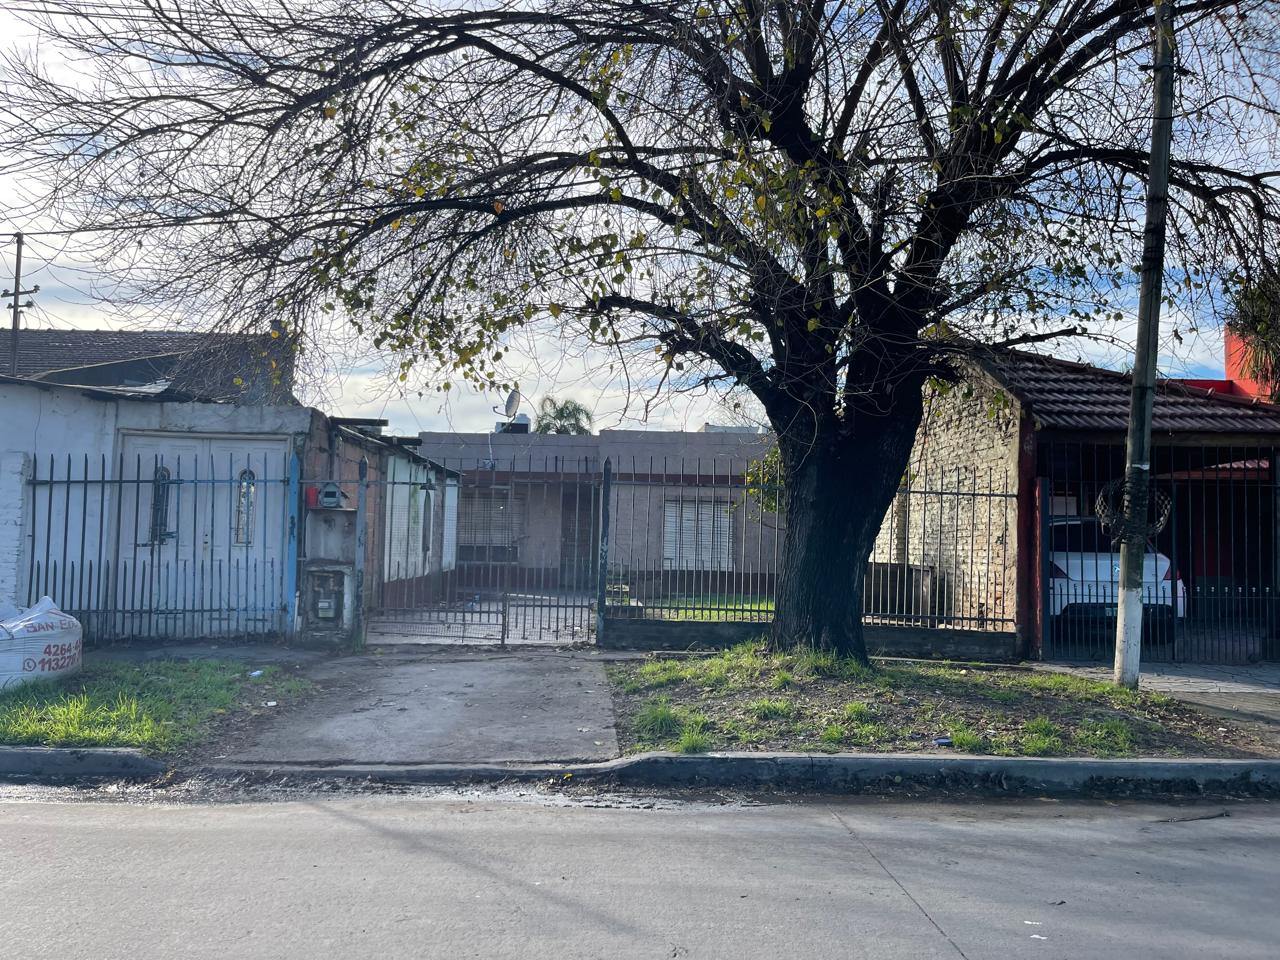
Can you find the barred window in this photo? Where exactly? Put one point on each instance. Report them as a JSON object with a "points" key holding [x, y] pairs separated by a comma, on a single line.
{"points": [[246, 491], [161, 481]]}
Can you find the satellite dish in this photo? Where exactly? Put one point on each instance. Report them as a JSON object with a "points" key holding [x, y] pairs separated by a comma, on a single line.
{"points": [[512, 406]]}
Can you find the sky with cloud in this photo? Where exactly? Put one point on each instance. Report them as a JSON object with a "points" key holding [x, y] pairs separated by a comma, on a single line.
{"points": [[354, 381]]}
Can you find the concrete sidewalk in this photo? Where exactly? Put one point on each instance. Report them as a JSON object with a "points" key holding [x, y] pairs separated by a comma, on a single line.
{"points": [[446, 705], [1249, 694]]}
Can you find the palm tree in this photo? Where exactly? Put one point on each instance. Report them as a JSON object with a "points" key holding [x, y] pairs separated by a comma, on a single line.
{"points": [[562, 416], [1255, 318]]}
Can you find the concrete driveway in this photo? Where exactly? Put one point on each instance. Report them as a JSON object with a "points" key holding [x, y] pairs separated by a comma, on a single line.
{"points": [[445, 706]]}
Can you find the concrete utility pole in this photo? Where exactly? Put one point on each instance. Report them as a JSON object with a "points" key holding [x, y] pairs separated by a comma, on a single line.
{"points": [[1137, 471], [18, 293]]}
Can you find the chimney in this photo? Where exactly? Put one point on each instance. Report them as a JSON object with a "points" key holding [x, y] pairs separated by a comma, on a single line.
{"points": [[1237, 364]]}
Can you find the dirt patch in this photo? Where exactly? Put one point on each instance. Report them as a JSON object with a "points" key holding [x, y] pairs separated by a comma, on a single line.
{"points": [[748, 699]]}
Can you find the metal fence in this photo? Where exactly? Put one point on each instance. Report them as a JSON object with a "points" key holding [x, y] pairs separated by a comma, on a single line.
{"points": [[162, 546], [684, 539], [1210, 572], [519, 555], [696, 540]]}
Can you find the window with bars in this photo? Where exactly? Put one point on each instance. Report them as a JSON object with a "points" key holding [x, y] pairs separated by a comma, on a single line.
{"points": [[490, 526], [161, 484], [697, 535], [246, 491]]}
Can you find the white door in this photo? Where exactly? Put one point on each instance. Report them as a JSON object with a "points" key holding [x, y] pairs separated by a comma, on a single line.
{"points": [[201, 535]]}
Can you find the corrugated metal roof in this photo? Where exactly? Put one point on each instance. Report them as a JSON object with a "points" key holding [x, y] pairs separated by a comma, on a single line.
{"points": [[1072, 396]]}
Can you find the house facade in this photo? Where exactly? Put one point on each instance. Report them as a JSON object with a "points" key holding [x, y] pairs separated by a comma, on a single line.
{"points": [[1056, 430], [151, 517], [1001, 527], [530, 505]]}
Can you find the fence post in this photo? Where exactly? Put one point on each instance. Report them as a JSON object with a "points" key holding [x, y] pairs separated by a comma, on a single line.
{"points": [[291, 546], [362, 540], [603, 572], [1045, 501]]}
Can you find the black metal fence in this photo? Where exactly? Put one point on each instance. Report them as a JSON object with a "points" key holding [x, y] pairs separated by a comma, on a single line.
{"points": [[1210, 572], [175, 545], [162, 546], [519, 546], [699, 540], [687, 539]]}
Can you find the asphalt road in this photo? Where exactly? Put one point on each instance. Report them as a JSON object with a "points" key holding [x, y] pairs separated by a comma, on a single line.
{"points": [[412, 877]]}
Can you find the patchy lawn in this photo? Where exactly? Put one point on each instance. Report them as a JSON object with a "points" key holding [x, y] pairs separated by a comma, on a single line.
{"points": [[750, 699], [711, 606], [161, 706]]}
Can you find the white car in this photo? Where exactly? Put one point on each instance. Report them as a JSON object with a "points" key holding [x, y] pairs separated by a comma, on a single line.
{"points": [[1084, 574]]}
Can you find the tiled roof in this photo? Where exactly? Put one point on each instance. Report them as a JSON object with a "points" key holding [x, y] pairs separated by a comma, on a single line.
{"points": [[1074, 396], [208, 365], [43, 351]]}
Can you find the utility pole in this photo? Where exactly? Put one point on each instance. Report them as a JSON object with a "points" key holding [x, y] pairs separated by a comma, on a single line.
{"points": [[1137, 470], [18, 293]]}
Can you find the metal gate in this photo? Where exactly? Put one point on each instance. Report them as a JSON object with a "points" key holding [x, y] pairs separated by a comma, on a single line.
{"points": [[1209, 574], [179, 537], [505, 552]]}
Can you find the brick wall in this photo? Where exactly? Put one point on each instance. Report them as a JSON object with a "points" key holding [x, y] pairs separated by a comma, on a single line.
{"points": [[948, 548]]}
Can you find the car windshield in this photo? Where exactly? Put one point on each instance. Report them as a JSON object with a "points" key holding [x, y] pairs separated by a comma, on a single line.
{"points": [[1087, 536]]}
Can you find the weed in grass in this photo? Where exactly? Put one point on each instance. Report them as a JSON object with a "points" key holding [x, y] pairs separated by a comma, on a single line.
{"points": [[857, 710], [1041, 727], [159, 706], [1039, 745], [771, 708], [782, 680], [1002, 694], [660, 673], [965, 740], [819, 664], [715, 674], [1110, 737], [294, 686], [834, 734], [868, 734], [1072, 687], [693, 741], [658, 720], [743, 733]]}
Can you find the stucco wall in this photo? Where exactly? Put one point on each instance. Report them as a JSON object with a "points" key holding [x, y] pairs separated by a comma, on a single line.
{"points": [[649, 467]]}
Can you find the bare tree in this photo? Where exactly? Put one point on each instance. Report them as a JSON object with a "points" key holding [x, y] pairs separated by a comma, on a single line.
{"points": [[819, 202]]}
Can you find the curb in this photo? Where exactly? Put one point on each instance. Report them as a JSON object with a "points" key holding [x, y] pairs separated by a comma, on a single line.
{"points": [[63, 764], [829, 773]]}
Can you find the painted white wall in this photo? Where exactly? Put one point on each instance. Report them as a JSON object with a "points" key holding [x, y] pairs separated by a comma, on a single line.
{"points": [[450, 548], [405, 553], [14, 467], [86, 432]]}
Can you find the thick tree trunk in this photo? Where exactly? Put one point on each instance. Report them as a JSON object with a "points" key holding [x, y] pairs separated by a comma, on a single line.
{"points": [[837, 494]]}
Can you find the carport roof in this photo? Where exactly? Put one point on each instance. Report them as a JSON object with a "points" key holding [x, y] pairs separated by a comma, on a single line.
{"points": [[1062, 395]]}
